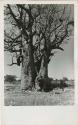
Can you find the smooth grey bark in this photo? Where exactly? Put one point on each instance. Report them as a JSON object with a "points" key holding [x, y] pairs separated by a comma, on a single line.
{"points": [[44, 67], [25, 78], [28, 73]]}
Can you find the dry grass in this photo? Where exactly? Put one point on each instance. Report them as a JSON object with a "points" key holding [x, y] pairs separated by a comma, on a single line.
{"points": [[14, 96]]}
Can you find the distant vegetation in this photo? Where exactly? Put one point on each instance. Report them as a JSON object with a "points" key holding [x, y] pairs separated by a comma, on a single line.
{"points": [[45, 84], [10, 78]]}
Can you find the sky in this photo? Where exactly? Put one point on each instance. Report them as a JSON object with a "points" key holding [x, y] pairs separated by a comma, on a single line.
{"points": [[61, 65]]}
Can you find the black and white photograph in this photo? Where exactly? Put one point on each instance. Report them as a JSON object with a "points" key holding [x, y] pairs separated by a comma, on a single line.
{"points": [[39, 55]]}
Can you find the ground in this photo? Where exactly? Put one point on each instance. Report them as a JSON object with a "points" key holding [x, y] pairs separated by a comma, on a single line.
{"points": [[14, 97]]}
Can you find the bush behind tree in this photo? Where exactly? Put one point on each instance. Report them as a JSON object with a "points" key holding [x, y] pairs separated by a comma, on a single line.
{"points": [[48, 84]]}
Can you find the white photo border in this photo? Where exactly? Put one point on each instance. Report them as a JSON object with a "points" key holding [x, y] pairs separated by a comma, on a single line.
{"points": [[38, 115]]}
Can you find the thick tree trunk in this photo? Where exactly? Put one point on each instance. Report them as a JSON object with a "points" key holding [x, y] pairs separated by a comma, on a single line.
{"points": [[32, 65], [25, 77], [28, 73], [25, 68], [42, 77], [44, 67], [28, 66]]}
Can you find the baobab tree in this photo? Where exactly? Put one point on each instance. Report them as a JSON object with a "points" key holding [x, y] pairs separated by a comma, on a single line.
{"points": [[32, 33]]}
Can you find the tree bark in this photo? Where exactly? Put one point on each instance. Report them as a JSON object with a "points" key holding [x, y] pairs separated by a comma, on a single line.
{"points": [[44, 67], [25, 68], [28, 67], [28, 73], [32, 65]]}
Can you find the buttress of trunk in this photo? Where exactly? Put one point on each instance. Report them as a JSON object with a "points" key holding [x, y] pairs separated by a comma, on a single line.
{"points": [[25, 77]]}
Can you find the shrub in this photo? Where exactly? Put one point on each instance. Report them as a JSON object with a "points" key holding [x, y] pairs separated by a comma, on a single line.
{"points": [[47, 84]]}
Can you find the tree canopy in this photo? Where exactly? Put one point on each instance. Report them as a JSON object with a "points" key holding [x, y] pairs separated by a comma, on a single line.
{"points": [[51, 27]]}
